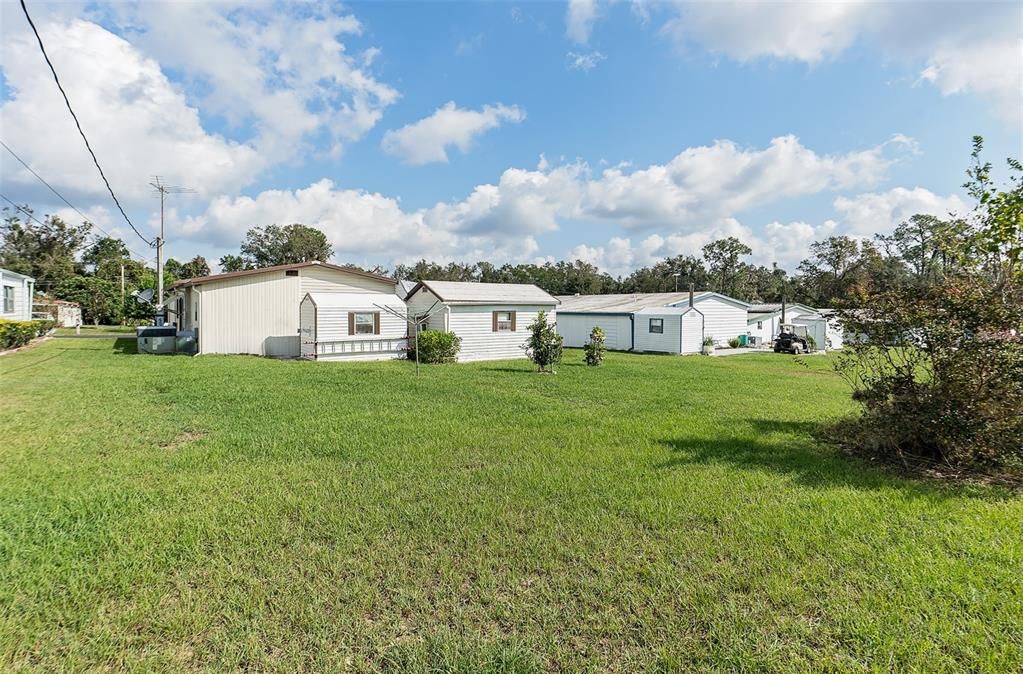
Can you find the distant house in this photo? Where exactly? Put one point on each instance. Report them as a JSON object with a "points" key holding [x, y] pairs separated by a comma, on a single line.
{"points": [[765, 321], [16, 299], [257, 311], [679, 322], [65, 314], [490, 318]]}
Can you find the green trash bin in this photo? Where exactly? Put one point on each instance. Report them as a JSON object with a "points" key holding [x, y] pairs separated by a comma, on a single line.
{"points": [[743, 340]]}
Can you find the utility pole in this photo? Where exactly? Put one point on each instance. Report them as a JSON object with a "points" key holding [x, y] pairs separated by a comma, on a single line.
{"points": [[122, 292], [163, 190]]}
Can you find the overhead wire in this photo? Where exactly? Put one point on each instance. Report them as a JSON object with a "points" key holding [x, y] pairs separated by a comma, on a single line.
{"points": [[67, 102], [60, 196]]}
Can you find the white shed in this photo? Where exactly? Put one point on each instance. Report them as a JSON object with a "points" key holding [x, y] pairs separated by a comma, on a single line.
{"points": [[17, 295], [669, 329], [723, 317], [352, 326], [257, 310], [490, 318]]}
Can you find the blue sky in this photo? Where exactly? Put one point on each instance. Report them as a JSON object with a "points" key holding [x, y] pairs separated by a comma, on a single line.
{"points": [[616, 132]]}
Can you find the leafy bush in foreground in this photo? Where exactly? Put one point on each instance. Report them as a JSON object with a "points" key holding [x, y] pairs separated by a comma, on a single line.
{"points": [[436, 346], [17, 333], [595, 348], [544, 344]]}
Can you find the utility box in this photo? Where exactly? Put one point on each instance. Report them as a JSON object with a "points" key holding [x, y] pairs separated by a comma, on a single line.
{"points": [[156, 339]]}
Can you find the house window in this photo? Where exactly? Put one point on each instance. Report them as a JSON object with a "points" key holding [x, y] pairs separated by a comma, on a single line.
{"points": [[760, 325], [365, 323], [504, 321], [8, 299], [657, 325]]}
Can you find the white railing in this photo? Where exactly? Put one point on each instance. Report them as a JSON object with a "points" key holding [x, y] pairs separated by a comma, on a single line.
{"points": [[356, 347]]}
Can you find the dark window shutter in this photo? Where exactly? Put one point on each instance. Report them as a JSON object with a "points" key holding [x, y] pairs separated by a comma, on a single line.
{"points": [[494, 316], [513, 314], [376, 323], [351, 322]]}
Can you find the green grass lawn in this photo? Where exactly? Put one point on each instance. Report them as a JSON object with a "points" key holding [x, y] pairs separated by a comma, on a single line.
{"points": [[655, 514]]}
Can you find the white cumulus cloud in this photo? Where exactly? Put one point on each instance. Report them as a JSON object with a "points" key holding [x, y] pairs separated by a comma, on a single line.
{"points": [[428, 139]]}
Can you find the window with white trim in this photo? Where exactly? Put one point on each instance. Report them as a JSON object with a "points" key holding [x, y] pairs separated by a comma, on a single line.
{"points": [[503, 320], [760, 325], [657, 326], [8, 299], [365, 323]]}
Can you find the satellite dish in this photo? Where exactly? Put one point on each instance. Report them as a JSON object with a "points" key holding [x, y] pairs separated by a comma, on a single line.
{"points": [[144, 296]]}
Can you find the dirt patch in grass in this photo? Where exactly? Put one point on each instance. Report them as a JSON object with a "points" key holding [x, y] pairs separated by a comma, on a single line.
{"points": [[185, 437]]}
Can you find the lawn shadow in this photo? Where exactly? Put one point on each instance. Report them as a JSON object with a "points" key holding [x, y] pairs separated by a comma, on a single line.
{"points": [[126, 346], [789, 448]]}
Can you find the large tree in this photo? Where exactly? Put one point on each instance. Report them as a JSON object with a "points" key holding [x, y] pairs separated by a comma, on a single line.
{"points": [[274, 245], [728, 273], [44, 250], [99, 298]]}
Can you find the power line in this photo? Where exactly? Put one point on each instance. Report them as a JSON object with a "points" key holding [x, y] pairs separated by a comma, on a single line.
{"points": [[22, 209], [64, 199], [78, 124]]}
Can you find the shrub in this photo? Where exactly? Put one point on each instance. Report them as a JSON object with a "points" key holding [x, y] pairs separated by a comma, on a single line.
{"points": [[16, 333], [544, 344], [436, 346], [708, 341], [734, 343], [938, 372], [811, 342], [594, 349], [43, 326]]}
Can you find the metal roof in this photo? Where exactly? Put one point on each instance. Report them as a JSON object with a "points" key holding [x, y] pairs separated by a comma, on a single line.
{"points": [[405, 287], [668, 311], [464, 292], [772, 307], [624, 304], [281, 267], [354, 300]]}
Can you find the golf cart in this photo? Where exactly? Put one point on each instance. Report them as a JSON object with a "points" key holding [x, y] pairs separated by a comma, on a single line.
{"points": [[791, 339]]}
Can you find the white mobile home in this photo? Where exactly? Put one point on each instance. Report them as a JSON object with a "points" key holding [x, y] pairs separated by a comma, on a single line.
{"points": [[490, 318], [352, 326], [723, 318], [256, 311], [764, 320], [17, 296]]}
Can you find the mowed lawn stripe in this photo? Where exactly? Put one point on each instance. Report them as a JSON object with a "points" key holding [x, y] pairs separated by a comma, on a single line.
{"points": [[656, 513]]}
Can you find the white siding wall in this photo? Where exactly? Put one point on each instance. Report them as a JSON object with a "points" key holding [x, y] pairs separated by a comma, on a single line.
{"points": [[692, 332], [575, 329], [255, 314], [722, 320], [421, 303], [474, 324], [334, 342], [22, 297], [325, 280], [670, 341], [771, 324]]}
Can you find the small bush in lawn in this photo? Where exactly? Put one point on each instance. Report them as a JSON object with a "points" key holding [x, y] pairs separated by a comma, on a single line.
{"points": [[437, 346], [811, 342], [708, 341], [594, 349], [734, 343], [16, 333], [44, 326], [544, 344]]}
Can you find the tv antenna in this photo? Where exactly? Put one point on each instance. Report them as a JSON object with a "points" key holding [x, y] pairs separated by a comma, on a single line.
{"points": [[161, 190]]}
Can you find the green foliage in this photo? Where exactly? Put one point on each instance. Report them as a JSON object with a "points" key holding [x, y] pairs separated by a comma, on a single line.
{"points": [[18, 333], [544, 344], [99, 298], [811, 342], [437, 346], [708, 341], [734, 342], [46, 251], [273, 245], [229, 263], [594, 349], [194, 268]]}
